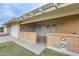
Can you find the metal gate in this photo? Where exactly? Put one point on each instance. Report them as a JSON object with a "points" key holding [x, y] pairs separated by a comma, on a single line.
{"points": [[42, 39]]}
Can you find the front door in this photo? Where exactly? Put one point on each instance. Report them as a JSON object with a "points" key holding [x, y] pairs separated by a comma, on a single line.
{"points": [[15, 30], [42, 31]]}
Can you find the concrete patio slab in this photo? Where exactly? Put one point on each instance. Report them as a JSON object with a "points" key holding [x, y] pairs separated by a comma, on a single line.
{"points": [[4, 39], [37, 49]]}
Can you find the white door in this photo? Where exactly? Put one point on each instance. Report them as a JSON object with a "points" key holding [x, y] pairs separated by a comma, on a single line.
{"points": [[15, 30]]}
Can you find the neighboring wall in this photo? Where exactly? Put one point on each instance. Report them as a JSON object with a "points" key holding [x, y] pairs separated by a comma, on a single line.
{"points": [[1, 29], [5, 29], [8, 28]]}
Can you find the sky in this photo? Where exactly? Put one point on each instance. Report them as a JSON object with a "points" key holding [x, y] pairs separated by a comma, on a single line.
{"points": [[10, 10]]}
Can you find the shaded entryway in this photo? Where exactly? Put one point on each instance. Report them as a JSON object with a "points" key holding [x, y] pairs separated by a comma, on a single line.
{"points": [[37, 32], [42, 28]]}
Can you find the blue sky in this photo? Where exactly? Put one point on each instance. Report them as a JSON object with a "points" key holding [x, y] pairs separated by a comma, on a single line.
{"points": [[10, 10]]}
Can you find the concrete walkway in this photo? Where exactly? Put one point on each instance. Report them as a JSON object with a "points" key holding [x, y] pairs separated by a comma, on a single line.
{"points": [[37, 49], [3, 34], [4, 39]]}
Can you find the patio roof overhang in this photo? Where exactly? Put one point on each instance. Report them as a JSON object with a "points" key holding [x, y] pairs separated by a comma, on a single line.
{"points": [[57, 13], [13, 20]]}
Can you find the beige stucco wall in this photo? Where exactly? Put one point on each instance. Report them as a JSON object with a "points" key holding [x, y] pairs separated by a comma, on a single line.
{"points": [[53, 41], [71, 41], [68, 28], [27, 28], [69, 24], [29, 37]]}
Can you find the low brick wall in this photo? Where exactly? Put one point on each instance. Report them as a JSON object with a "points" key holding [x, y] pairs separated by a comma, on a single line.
{"points": [[70, 41], [29, 36]]}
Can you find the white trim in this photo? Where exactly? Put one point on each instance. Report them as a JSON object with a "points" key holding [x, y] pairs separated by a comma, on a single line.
{"points": [[63, 51]]}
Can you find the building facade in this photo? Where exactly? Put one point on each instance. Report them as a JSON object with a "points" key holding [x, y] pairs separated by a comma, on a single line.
{"points": [[55, 25]]}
